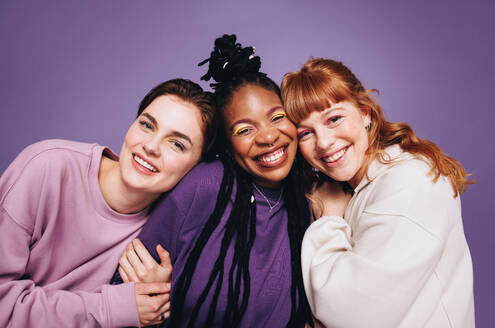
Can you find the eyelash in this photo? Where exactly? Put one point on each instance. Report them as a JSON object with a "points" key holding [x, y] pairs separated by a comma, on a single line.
{"points": [[334, 119], [178, 145], [277, 117], [302, 134], [242, 130], [146, 125]]}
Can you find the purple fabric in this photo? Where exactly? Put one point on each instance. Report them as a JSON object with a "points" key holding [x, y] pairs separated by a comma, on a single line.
{"points": [[176, 224]]}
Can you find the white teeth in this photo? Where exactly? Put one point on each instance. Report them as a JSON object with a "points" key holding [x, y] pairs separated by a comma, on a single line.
{"points": [[273, 156], [145, 164], [335, 156]]}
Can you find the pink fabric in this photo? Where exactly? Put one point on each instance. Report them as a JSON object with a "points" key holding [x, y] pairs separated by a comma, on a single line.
{"points": [[60, 241]]}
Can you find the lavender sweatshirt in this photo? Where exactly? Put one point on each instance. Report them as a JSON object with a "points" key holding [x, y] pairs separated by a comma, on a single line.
{"points": [[60, 241], [177, 222]]}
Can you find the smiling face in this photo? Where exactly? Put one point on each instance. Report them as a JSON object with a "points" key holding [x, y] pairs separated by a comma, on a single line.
{"points": [[263, 139], [162, 145], [335, 141]]}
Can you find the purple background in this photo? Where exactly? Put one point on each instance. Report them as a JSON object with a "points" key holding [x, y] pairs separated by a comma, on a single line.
{"points": [[78, 69]]}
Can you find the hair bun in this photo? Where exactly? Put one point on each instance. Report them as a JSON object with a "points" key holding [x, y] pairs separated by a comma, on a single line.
{"points": [[229, 60]]}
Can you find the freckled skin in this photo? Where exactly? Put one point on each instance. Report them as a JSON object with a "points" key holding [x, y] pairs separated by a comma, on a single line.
{"points": [[323, 134]]}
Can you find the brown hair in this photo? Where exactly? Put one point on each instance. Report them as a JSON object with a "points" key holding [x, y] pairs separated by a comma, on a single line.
{"points": [[323, 81], [192, 93]]}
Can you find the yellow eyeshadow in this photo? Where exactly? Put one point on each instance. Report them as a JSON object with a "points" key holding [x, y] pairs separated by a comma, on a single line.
{"points": [[240, 130], [279, 114]]}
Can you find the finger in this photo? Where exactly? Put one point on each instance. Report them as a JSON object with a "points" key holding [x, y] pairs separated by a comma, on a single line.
{"points": [[165, 311], [128, 269], [146, 288], [135, 261], [164, 257], [123, 275], [150, 308], [143, 253], [159, 319]]}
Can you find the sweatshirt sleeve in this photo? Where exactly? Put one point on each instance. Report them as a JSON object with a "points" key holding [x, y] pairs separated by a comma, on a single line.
{"points": [[370, 277], [24, 304]]}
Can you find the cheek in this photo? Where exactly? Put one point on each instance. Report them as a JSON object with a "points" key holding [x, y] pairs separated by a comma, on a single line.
{"points": [[290, 130], [176, 165], [240, 147], [307, 150], [132, 137]]}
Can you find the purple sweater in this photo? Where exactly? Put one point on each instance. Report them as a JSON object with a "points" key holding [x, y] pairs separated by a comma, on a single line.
{"points": [[60, 241], [177, 222]]}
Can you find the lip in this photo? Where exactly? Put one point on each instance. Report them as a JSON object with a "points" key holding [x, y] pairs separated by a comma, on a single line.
{"points": [[338, 161], [140, 168], [279, 161]]}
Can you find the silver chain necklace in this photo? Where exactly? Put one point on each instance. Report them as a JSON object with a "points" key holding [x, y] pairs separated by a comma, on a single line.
{"points": [[267, 201]]}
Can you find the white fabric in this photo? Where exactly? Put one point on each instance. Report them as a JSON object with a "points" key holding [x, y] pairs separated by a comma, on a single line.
{"points": [[398, 258]]}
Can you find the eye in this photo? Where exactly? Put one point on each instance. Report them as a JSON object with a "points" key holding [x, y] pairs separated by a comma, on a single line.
{"points": [[146, 125], [301, 135], [334, 119], [279, 116], [178, 145], [242, 130]]}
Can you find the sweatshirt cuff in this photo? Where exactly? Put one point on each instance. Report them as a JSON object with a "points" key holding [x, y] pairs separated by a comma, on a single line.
{"points": [[122, 305]]}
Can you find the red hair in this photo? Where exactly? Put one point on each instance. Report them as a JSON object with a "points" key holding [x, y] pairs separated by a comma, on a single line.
{"points": [[323, 81]]}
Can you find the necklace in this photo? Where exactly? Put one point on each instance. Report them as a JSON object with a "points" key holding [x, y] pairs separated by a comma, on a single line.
{"points": [[267, 201]]}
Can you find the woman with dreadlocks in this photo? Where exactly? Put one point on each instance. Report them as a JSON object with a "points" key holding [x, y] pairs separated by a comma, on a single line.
{"points": [[234, 226]]}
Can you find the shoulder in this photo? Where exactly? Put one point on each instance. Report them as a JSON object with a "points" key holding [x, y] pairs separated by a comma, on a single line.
{"points": [[206, 176], [198, 187], [43, 161], [406, 188], [53, 150], [411, 173], [185, 208]]}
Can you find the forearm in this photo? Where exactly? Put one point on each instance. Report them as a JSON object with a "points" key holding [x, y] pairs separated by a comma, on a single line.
{"points": [[371, 283], [27, 305]]}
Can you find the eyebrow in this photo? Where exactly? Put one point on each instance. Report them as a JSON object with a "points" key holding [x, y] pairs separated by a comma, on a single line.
{"points": [[331, 109], [182, 135], [174, 132], [247, 120], [272, 110], [151, 118]]}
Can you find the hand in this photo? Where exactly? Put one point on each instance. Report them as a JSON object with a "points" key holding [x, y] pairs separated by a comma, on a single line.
{"points": [[152, 300], [329, 199], [136, 264]]}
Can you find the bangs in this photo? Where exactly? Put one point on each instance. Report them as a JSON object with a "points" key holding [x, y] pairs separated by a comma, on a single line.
{"points": [[304, 92]]}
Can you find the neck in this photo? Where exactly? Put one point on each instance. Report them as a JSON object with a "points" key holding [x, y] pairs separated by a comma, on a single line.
{"points": [[117, 195], [268, 184]]}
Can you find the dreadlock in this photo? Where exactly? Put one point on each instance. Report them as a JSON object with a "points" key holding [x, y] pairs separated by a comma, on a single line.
{"points": [[232, 66]]}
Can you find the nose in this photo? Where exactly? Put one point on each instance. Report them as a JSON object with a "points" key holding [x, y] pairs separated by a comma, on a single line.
{"points": [[267, 135], [324, 140], [152, 146]]}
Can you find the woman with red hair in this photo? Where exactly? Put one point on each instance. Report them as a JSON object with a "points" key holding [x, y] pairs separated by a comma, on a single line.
{"points": [[396, 254]]}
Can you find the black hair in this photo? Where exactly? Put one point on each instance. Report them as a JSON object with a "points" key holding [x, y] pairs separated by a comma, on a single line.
{"points": [[190, 92], [232, 66]]}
